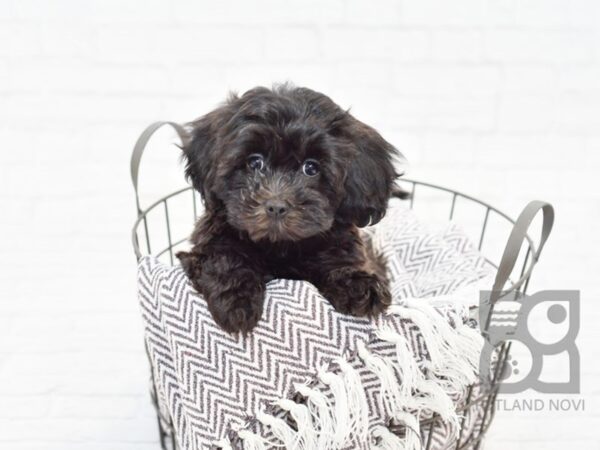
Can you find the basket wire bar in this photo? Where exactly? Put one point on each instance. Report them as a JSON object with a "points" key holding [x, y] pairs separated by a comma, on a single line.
{"points": [[169, 232], [430, 434], [462, 421], [483, 228], [485, 399], [454, 195]]}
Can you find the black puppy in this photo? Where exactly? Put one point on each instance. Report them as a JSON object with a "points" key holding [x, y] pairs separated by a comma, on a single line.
{"points": [[286, 176]]}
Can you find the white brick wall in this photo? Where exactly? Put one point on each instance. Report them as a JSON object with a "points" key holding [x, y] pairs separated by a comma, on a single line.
{"points": [[499, 98]]}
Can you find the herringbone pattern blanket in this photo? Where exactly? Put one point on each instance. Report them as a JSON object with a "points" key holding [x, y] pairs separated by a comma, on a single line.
{"points": [[310, 378]]}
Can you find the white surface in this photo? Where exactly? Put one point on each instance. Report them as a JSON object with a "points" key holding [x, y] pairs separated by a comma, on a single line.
{"points": [[498, 98]]}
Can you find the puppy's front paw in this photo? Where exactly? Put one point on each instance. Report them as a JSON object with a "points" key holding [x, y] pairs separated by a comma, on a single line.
{"points": [[357, 292], [242, 316], [234, 294], [238, 307]]}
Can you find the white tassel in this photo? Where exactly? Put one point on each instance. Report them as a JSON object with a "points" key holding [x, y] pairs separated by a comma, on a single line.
{"points": [[445, 348], [471, 341], [435, 343], [280, 429], [412, 438], [306, 436], [406, 365], [418, 393], [388, 440], [452, 372], [440, 322], [461, 344], [251, 441], [342, 415], [322, 414], [391, 395], [357, 400], [438, 401]]}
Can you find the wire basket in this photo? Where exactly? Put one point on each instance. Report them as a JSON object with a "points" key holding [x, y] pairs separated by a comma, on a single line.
{"points": [[511, 240]]}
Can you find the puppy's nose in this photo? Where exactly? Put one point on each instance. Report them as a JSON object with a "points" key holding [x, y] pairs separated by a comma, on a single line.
{"points": [[276, 208]]}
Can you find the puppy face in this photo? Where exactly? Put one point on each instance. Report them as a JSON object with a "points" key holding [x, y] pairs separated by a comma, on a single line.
{"points": [[281, 184], [285, 164]]}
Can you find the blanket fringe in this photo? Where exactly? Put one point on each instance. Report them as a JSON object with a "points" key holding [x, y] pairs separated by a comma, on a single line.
{"points": [[341, 411], [406, 367], [306, 436], [322, 414], [252, 441], [412, 438], [357, 400], [391, 395], [386, 440], [452, 362], [280, 429], [335, 418]]}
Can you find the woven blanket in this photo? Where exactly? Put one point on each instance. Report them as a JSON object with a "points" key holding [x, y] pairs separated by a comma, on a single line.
{"points": [[310, 378]]}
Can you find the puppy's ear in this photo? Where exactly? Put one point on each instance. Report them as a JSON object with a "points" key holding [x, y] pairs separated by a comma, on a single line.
{"points": [[370, 174], [201, 151]]}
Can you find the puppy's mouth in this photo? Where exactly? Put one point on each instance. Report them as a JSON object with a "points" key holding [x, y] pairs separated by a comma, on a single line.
{"points": [[277, 222]]}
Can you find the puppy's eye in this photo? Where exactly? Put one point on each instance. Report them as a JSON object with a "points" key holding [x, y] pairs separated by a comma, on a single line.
{"points": [[256, 162], [310, 168]]}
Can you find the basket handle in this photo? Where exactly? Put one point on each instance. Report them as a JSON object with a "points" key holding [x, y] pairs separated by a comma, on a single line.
{"points": [[515, 241], [140, 146]]}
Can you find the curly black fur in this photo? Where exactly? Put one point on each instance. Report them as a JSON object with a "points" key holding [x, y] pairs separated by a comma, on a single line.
{"points": [[269, 215]]}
